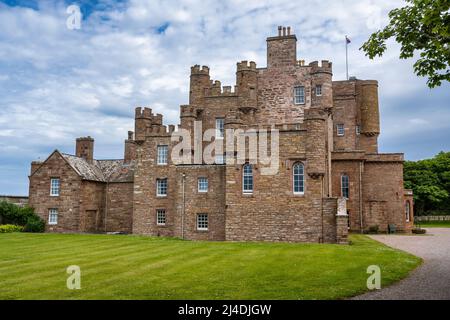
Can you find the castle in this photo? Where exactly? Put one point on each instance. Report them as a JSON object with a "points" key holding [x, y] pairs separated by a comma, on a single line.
{"points": [[329, 177]]}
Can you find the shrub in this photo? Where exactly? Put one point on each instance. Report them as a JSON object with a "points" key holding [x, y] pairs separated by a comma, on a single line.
{"points": [[21, 216], [7, 228], [34, 224]]}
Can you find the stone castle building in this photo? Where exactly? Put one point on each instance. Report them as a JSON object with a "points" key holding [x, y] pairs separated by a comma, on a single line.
{"points": [[330, 177]]}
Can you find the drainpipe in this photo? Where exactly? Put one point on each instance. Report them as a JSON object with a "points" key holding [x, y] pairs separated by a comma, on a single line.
{"points": [[106, 203], [361, 168], [183, 179], [321, 207]]}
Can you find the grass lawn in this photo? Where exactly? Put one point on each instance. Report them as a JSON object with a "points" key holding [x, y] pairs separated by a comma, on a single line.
{"points": [[434, 224], [33, 266]]}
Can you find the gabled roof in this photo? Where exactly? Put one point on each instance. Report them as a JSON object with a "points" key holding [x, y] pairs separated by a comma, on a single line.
{"points": [[101, 170], [98, 170]]}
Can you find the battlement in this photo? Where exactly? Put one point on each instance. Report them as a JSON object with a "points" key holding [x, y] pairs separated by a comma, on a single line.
{"points": [[88, 138], [161, 130], [245, 66], [197, 70], [325, 66], [187, 111], [146, 113], [141, 112]]}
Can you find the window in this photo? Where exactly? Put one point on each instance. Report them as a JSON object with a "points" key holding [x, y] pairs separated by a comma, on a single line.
{"points": [[161, 217], [299, 95], [358, 129], [340, 129], [247, 178], [219, 159], [319, 90], [220, 122], [298, 172], [54, 187], [202, 221], [345, 186], [202, 184], [161, 187], [162, 154], [53, 216], [408, 211]]}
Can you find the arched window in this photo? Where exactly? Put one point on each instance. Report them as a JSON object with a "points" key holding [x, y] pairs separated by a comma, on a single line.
{"points": [[298, 175], [345, 186], [247, 178], [408, 211]]}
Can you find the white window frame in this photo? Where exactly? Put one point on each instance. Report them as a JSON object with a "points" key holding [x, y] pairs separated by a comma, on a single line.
{"points": [[202, 220], [299, 96], [162, 154], [53, 216], [159, 187], [319, 90], [247, 175], [161, 216], [55, 187], [346, 187], [302, 177], [202, 182], [220, 128], [340, 130]]}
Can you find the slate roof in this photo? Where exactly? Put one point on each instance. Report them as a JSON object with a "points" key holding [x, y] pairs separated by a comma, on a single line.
{"points": [[101, 170]]}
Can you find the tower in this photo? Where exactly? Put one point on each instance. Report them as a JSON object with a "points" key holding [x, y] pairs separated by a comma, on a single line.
{"points": [[199, 82]]}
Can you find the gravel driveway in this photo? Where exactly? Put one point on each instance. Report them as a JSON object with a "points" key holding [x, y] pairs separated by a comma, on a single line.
{"points": [[429, 281]]}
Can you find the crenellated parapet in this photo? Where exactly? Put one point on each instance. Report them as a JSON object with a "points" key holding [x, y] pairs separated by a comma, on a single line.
{"points": [[325, 67], [197, 70], [145, 119], [245, 66], [187, 111], [160, 131]]}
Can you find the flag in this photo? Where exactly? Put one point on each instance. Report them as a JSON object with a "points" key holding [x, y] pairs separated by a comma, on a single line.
{"points": [[347, 40]]}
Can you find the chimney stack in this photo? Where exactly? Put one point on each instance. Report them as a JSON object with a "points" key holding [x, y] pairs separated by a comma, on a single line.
{"points": [[85, 148]]}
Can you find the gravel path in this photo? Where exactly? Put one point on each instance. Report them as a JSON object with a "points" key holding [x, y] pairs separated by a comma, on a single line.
{"points": [[431, 280]]}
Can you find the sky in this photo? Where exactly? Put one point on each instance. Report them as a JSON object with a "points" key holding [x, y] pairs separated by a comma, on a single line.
{"points": [[58, 83]]}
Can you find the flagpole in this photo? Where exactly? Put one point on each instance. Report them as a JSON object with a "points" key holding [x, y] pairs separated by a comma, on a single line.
{"points": [[346, 55]]}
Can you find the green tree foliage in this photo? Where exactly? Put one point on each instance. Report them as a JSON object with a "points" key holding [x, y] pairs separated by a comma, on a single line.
{"points": [[422, 26], [21, 216], [430, 181]]}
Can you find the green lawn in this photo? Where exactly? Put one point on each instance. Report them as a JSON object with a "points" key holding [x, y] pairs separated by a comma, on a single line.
{"points": [[33, 266], [434, 224]]}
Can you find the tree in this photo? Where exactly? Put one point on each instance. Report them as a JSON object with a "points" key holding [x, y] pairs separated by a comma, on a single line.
{"points": [[430, 181], [423, 26]]}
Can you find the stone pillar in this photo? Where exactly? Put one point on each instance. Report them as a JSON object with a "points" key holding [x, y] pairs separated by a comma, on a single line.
{"points": [[342, 222]]}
